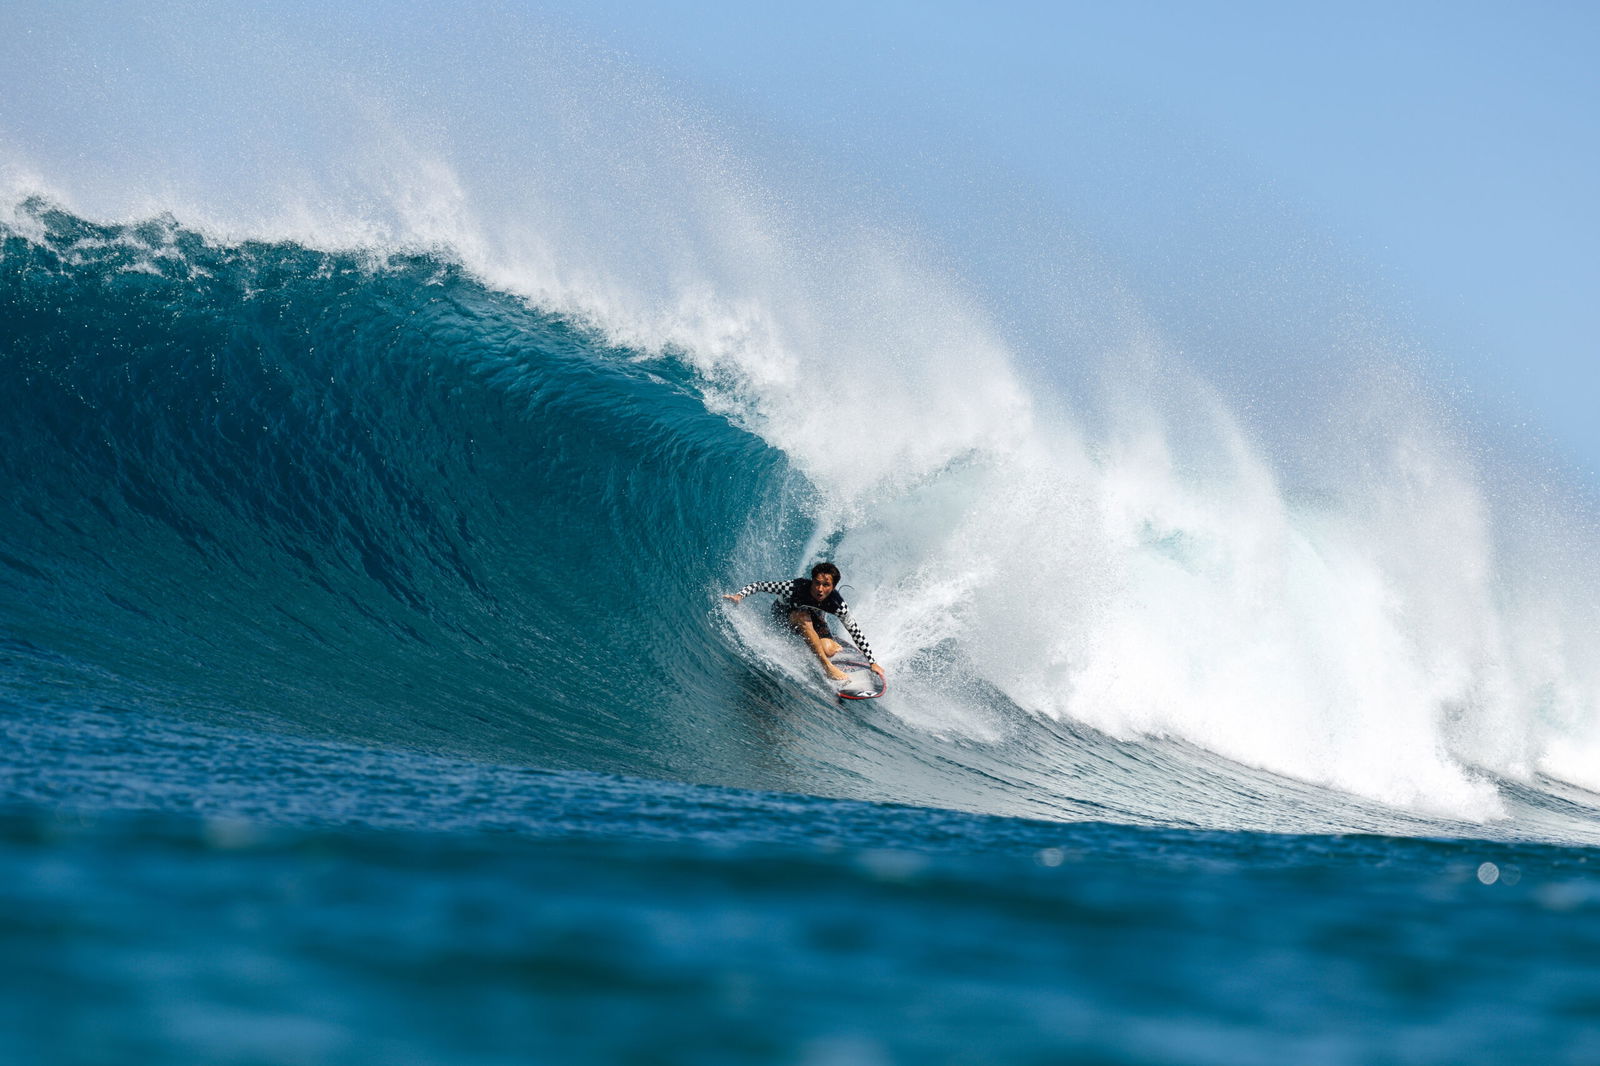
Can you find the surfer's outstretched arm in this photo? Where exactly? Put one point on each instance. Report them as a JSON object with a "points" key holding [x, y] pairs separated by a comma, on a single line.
{"points": [[777, 588]]}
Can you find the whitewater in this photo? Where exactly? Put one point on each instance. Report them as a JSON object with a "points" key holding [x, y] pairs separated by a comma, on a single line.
{"points": [[374, 476]]}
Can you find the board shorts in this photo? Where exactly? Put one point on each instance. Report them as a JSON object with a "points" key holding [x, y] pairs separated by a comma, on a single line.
{"points": [[781, 612]]}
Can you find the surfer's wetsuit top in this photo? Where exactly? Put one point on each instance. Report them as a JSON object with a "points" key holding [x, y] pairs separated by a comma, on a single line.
{"points": [[796, 594]]}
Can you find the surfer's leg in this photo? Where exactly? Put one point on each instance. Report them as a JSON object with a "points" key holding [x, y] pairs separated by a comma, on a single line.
{"points": [[829, 645], [801, 621]]}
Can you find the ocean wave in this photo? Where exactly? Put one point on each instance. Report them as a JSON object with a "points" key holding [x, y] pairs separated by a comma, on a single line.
{"points": [[371, 497]]}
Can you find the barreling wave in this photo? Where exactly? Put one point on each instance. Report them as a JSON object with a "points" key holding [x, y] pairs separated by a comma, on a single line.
{"points": [[369, 496], [373, 498]]}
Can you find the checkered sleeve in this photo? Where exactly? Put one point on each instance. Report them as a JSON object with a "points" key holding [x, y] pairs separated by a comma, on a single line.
{"points": [[855, 631], [777, 588]]}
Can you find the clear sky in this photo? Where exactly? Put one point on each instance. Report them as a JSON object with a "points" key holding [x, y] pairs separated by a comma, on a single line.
{"points": [[1452, 149]]}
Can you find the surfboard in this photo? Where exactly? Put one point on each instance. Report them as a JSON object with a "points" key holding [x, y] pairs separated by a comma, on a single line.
{"points": [[861, 683]]}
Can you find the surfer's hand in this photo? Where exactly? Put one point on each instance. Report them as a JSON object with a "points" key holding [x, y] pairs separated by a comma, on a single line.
{"points": [[735, 597], [878, 670]]}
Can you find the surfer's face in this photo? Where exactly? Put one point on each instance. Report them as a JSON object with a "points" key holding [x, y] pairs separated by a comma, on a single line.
{"points": [[821, 585]]}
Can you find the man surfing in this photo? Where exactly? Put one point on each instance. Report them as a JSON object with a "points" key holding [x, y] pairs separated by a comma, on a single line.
{"points": [[800, 605]]}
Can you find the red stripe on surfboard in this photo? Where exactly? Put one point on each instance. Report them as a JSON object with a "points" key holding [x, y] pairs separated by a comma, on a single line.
{"points": [[868, 696]]}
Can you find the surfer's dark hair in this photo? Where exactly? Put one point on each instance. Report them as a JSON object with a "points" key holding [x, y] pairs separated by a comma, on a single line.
{"points": [[826, 568]]}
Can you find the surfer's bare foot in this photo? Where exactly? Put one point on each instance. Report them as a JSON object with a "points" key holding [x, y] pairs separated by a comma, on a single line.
{"points": [[834, 673]]}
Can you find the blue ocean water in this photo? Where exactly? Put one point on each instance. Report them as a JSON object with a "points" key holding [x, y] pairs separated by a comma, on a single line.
{"points": [[366, 697]]}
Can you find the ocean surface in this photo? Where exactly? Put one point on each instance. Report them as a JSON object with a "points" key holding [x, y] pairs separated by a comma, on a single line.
{"points": [[367, 695]]}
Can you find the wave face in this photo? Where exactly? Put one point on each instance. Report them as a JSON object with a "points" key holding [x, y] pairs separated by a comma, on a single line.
{"points": [[376, 499], [373, 499]]}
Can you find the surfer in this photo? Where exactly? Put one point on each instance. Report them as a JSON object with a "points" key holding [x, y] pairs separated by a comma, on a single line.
{"points": [[800, 605]]}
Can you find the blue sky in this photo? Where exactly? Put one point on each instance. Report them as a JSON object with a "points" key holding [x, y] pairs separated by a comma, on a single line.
{"points": [[1450, 149]]}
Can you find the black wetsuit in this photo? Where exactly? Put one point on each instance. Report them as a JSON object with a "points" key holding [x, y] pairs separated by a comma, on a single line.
{"points": [[796, 594]]}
